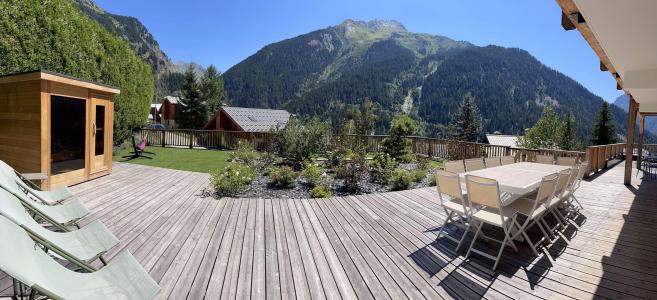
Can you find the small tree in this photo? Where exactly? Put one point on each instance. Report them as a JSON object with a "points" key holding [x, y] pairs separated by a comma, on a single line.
{"points": [[363, 120], [567, 137], [467, 123], [299, 140], [212, 90], [603, 132], [397, 144], [193, 114], [543, 135]]}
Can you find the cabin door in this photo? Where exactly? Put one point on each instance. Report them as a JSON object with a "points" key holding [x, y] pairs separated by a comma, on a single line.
{"points": [[101, 135]]}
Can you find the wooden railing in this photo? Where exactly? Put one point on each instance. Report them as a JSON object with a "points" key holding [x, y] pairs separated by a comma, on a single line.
{"points": [[597, 156], [218, 139]]}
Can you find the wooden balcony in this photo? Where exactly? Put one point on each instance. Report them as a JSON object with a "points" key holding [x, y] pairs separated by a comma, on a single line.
{"points": [[368, 246]]}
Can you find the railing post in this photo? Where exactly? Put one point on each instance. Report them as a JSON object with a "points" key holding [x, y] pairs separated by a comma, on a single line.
{"points": [[191, 139], [164, 134]]}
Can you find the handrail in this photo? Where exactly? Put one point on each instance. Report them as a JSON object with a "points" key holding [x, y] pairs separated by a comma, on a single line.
{"points": [[597, 156]]}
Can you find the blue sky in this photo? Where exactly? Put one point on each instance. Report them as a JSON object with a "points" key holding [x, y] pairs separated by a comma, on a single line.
{"points": [[225, 32]]}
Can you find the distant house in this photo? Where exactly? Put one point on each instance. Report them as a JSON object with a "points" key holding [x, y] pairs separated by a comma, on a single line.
{"points": [[169, 105], [154, 116], [502, 140], [247, 119]]}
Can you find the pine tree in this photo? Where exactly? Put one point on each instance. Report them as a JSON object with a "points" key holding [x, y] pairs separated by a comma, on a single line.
{"points": [[212, 90], [467, 124], [544, 133], [193, 115], [567, 135], [603, 132]]}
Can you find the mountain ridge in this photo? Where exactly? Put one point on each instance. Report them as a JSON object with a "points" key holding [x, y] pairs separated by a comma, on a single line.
{"points": [[326, 71]]}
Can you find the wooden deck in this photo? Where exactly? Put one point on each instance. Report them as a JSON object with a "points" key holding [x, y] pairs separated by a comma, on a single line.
{"points": [[372, 246]]}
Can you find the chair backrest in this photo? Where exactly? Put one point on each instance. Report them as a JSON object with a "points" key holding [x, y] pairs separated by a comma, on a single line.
{"points": [[545, 159], [474, 164], [562, 183], [573, 177], [566, 161], [483, 191], [583, 168], [449, 184], [546, 190], [454, 166], [507, 160], [492, 162]]}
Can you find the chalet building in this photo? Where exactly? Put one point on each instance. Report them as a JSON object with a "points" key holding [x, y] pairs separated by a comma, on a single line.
{"points": [[169, 105], [247, 119], [154, 116]]}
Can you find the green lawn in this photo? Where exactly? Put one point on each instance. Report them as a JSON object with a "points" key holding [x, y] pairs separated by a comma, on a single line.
{"points": [[196, 160]]}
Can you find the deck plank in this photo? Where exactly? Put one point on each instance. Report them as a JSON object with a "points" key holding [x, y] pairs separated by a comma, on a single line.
{"points": [[377, 246]]}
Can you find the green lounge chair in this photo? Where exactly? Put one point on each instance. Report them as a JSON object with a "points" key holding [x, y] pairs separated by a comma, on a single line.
{"points": [[122, 278], [60, 216], [80, 247], [46, 197]]}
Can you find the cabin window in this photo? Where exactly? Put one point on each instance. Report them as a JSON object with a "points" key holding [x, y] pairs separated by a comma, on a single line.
{"points": [[67, 134]]}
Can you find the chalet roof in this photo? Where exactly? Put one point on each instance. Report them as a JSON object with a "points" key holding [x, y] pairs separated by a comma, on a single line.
{"points": [[257, 119], [174, 100], [502, 140]]}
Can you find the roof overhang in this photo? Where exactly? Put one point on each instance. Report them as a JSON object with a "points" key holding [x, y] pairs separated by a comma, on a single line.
{"points": [[60, 78], [624, 36]]}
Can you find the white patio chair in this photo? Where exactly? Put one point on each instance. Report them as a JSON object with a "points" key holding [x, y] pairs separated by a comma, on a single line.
{"points": [[486, 193], [474, 164], [545, 159], [492, 162], [454, 166], [567, 161], [565, 177], [507, 160], [583, 167], [533, 209], [454, 203]]}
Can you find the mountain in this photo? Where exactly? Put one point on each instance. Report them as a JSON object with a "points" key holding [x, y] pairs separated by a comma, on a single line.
{"points": [[323, 72], [623, 101], [167, 74]]}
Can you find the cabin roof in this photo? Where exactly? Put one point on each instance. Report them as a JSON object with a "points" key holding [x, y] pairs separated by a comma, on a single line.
{"points": [[256, 119], [58, 77], [174, 100], [502, 140]]}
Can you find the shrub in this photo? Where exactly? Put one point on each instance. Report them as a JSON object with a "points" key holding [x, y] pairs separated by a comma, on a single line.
{"points": [[299, 140], [401, 180], [321, 191], [233, 179], [419, 175], [382, 167], [245, 154], [282, 177], [352, 170], [397, 144], [431, 179], [313, 174]]}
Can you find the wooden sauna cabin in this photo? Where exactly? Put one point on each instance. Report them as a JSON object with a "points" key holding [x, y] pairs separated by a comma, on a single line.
{"points": [[56, 127]]}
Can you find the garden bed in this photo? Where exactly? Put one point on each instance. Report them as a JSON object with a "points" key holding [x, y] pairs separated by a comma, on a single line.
{"points": [[260, 187]]}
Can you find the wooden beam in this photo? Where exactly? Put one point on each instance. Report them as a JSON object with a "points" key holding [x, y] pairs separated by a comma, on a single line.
{"points": [[629, 148], [566, 23], [639, 159], [603, 68]]}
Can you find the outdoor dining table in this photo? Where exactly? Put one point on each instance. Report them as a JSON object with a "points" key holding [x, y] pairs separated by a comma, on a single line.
{"points": [[518, 179]]}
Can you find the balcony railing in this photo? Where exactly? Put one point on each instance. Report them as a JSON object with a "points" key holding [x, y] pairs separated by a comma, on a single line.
{"points": [[597, 156]]}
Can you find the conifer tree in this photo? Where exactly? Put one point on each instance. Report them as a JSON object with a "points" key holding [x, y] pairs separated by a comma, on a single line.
{"points": [[193, 114], [467, 124], [603, 132], [567, 139], [212, 90]]}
